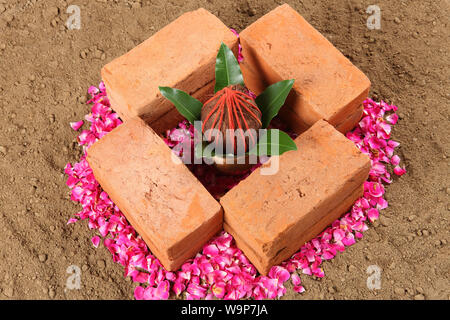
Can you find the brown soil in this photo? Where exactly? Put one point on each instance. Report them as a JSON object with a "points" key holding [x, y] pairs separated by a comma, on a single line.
{"points": [[47, 69]]}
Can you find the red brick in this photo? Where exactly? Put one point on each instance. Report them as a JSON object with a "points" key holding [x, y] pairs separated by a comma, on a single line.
{"points": [[351, 121], [263, 264], [165, 203], [314, 186], [181, 55], [283, 45]]}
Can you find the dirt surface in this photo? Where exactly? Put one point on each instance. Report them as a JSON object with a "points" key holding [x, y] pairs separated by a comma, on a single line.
{"points": [[46, 70]]}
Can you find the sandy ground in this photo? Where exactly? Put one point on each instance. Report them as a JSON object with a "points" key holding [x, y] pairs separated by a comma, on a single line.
{"points": [[47, 69]]}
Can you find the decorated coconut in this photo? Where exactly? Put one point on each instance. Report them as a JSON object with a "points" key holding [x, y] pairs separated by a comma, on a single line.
{"points": [[234, 114]]}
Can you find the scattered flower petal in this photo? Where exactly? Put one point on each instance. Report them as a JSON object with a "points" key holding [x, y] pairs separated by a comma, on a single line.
{"points": [[395, 160], [95, 241], [399, 171], [77, 125], [372, 214]]}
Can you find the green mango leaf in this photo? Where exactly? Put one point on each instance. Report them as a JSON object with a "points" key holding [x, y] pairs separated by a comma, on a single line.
{"points": [[272, 99], [189, 107], [273, 142], [228, 71], [198, 150]]}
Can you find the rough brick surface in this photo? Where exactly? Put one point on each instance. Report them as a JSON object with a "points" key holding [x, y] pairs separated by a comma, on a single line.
{"points": [[313, 187], [350, 122], [282, 45], [165, 203], [181, 55]]}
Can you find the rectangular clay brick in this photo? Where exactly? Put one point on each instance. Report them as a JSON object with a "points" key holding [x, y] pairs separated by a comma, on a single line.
{"points": [[263, 264], [181, 55], [351, 121], [313, 186], [297, 124], [163, 201], [283, 45]]}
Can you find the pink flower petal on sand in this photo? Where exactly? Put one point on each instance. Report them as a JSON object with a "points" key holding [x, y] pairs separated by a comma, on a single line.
{"points": [[392, 119], [299, 289], [376, 143], [395, 160], [72, 220], [296, 279], [162, 291], [386, 128], [307, 271], [373, 214], [240, 56], [378, 169], [366, 124], [279, 273], [93, 90], [139, 293], [95, 241], [338, 234], [382, 203], [171, 276], [178, 288], [318, 272], [149, 294], [327, 255], [399, 171], [140, 277], [77, 125], [270, 287], [211, 250], [374, 188], [349, 240], [393, 144], [196, 291], [218, 289]]}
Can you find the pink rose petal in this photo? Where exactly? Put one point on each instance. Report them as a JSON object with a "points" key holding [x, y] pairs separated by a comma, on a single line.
{"points": [[77, 125], [399, 171], [372, 214], [95, 241], [395, 160]]}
